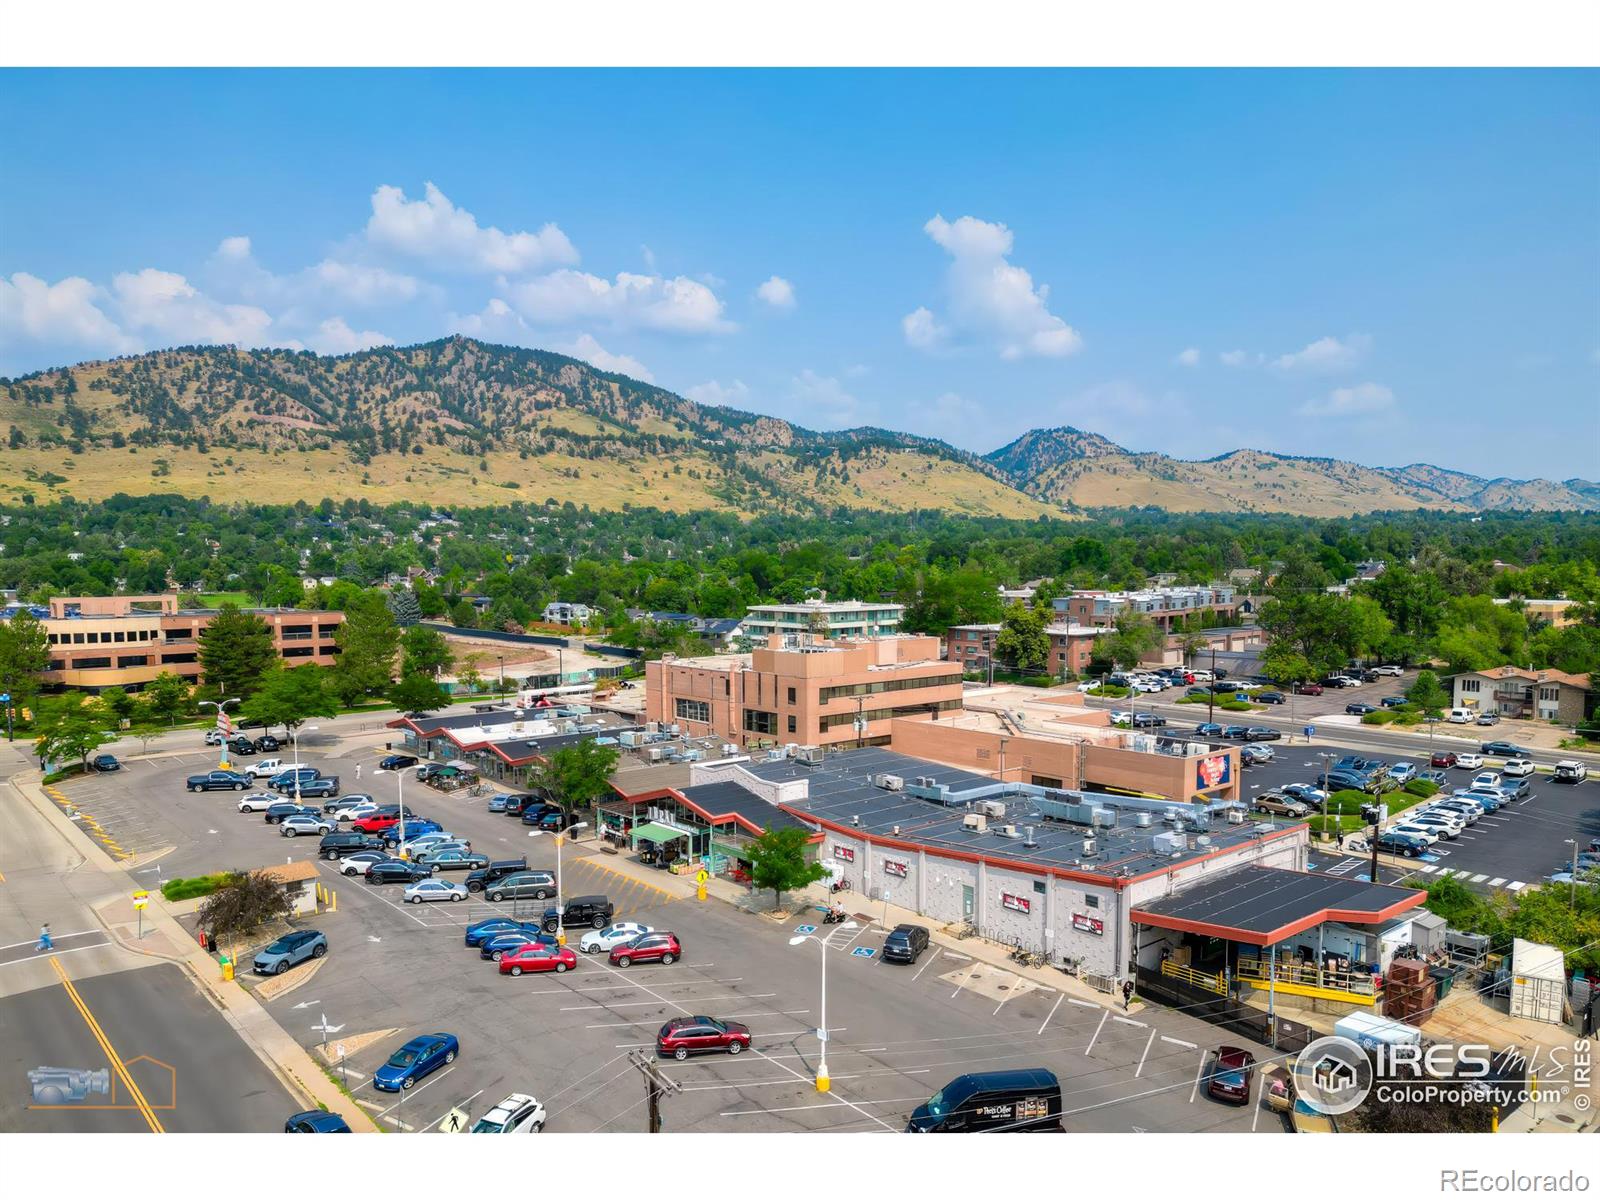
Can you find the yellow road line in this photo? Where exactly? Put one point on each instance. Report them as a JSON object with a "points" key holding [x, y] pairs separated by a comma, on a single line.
{"points": [[625, 877], [117, 1064]]}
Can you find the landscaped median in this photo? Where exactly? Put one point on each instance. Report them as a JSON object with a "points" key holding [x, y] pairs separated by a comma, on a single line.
{"points": [[1342, 812]]}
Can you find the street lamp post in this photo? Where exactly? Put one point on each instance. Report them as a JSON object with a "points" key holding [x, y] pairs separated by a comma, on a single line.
{"points": [[502, 659], [294, 736], [823, 1082], [400, 802], [220, 706], [1572, 883], [561, 929]]}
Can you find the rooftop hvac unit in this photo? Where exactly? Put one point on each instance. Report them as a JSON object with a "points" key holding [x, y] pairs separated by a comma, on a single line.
{"points": [[1196, 748], [1203, 840], [1141, 820], [656, 753], [776, 755], [1167, 843], [992, 808], [1028, 838], [1236, 816], [976, 822], [652, 726], [629, 739], [1008, 831], [729, 749], [890, 783], [1103, 818], [1091, 847], [791, 748], [1172, 817], [693, 755], [925, 781], [1263, 827], [894, 831]]}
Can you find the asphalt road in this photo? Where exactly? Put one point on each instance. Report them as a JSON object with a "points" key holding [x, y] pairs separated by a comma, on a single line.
{"points": [[397, 970]]}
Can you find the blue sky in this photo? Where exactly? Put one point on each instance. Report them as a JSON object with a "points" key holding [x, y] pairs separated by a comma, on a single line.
{"points": [[1385, 266]]}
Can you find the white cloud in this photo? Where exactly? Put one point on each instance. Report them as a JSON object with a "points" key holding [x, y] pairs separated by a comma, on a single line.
{"points": [[1189, 357], [166, 304], [334, 336], [591, 351], [957, 420], [362, 284], [66, 313], [435, 230], [1362, 400], [821, 402], [721, 395], [496, 322], [234, 270], [1240, 358], [777, 292], [649, 257], [988, 298], [1326, 354], [676, 305]]}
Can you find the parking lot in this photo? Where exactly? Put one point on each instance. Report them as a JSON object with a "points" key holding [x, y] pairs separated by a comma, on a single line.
{"points": [[899, 1032]]}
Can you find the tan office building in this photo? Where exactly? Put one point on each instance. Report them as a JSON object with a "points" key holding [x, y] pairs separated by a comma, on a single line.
{"points": [[811, 694]]}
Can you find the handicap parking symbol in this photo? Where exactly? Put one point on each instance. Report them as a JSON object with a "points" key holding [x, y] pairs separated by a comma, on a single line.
{"points": [[862, 952], [805, 928]]}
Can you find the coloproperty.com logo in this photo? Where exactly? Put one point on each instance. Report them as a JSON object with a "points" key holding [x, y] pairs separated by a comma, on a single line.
{"points": [[1334, 1075]]}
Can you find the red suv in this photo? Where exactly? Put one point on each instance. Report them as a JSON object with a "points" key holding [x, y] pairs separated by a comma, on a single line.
{"points": [[1442, 758], [1308, 689], [683, 1036], [647, 947], [375, 822]]}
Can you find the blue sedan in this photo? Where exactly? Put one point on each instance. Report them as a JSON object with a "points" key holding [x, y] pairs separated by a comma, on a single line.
{"points": [[501, 944], [414, 829], [479, 931], [316, 1121], [419, 1057]]}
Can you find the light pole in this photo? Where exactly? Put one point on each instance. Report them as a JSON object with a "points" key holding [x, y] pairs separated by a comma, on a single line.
{"points": [[220, 706], [561, 929], [502, 659], [294, 736], [400, 803], [822, 1027], [1572, 883]]}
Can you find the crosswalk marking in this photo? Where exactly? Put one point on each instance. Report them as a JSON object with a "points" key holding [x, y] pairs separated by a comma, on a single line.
{"points": [[1515, 886], [1427, 870], [1478, 878], [1497, 882]]}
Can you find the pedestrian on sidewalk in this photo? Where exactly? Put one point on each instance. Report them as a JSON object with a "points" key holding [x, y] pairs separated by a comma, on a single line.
{"points": [[1127, 994], [1589, 1014], [44, 939], [358, 772]]}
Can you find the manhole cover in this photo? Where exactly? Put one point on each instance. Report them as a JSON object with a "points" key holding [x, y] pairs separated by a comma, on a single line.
{"points": [[1567, 1119], [1003, 986]]}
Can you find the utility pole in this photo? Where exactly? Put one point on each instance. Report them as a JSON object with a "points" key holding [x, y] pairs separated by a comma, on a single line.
{"points": [[655, 1083], [1211, 688]]}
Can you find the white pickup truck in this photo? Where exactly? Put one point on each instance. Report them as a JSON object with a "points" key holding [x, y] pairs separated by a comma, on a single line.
{"points": [[265, 769]]}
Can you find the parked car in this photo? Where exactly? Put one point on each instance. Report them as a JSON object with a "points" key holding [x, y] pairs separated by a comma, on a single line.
{"points": [[348, 808], [395, 762], [1421, 832], [1308, 794], [905, 943], [284, 781], [498, 945], [425, 891], [1338, 681], [1389, 669], [1208, 729], [1147, 720], [657, 946], [267, 742], [1442, 758], [1402, 772], [1261, 733], [598, 940], [520, 885], [1403, 844], [1488, 718], [213, 737], [1270, 697], [357, 863], [1570, 770], [477, 880], [595, 911], [1437, 778], [1252, 754], [683, 1036], [551, 820], [302, 945], [297, 823], [1279, 805], [217, 781], [266, 768], [1516, 768], [1505, 750], [517, 1113], [1468, 761], [242, 746], [414, 826], [1236, 733], [1442, 823], [1394, 701], [536, 956], [1485, 779], [1022, 1100], [347, 801], [1360, 710], [258, 801], [453, 858], [1230, 1075], [1516, 788], [480, 931], [338, 843], [1308, 689], [497, 802], [316, 1120], [425, 840], [104, 762], [418, 1058], [397, 870], [375, 821], [284, 809], [1468, 810], [313, 788], [1121, 716]]}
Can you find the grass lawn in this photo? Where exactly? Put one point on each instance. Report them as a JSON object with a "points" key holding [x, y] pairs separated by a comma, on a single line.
{"points": [[213, 599]]}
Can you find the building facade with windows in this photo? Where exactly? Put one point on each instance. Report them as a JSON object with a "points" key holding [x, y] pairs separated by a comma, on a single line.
{"points": [[1165, 606], [824, 619], [1516, 692], [126, 641], [971, 645], [813, 693]]}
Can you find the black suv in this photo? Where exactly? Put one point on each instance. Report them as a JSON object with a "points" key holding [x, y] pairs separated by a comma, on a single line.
{"points": [[395, 761], [287, 808], [595, 911], [242, 745], [267, 742], [319, 787], [905, 943], [333, 845], [540, 885], [518, 804], [394, 870], [477, 880]]}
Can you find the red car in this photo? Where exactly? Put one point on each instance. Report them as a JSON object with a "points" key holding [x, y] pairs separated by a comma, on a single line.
{"points": [[1308, 689], [1230, 1075], [538, 956], [683, 1036], [1442, 758], [647, 947], [375, 823]]}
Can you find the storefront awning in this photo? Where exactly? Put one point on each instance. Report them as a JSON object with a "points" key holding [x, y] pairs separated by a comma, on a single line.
{"points": [[658, 833]]}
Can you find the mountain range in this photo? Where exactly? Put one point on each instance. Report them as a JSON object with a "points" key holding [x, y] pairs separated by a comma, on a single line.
{"points": [[464, 422]]}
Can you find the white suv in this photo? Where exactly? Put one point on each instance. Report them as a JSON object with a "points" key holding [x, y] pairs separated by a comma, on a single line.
{"points": [[257, 801]]}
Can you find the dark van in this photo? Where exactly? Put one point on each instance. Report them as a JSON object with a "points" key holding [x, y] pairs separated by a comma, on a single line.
{"points": [[1026, 1101]]}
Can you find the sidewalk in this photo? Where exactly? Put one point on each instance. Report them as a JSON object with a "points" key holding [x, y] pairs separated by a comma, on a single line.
{"points": [[165, 939]]}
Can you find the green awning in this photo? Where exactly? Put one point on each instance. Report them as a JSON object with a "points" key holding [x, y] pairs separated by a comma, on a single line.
{"points": [[658, 833]]}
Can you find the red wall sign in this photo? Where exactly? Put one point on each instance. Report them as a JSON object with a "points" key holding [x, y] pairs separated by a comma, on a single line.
{"points": [[895, 867], [1016, 903], [844, 854], [1088, 924]]}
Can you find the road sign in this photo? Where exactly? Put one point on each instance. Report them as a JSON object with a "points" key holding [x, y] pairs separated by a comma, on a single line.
{"points": [[1241, 695], [701, 876], [454, 1121], [805, 928], [140, 899], [822, 1035], [862, 952], [338, 1049], [1311, 731], [5, 697]]}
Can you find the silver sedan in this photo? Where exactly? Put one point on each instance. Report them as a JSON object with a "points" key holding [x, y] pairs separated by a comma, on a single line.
{"points": [[425, 890]]}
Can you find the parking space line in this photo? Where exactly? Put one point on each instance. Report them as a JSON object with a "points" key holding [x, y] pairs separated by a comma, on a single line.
{"points": [[1051, 1013], [787, 1012], [1082, 1003], [664, 1000], [1140, 1069], [1097, 1029], [1179, 1042], [1198, 1071], [1129, 1021], [970, 975], [417, 1091], [926, 965]]}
